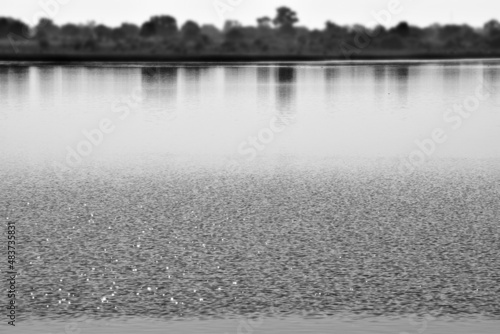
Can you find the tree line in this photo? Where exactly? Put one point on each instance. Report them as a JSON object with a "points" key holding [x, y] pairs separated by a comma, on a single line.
{"points": [[280, 34]]}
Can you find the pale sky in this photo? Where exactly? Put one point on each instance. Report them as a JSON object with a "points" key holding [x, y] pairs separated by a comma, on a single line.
{"points": [[312, 13]]}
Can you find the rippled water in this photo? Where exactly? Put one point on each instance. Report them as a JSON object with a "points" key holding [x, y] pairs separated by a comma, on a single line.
{"points": [[177, 213]]}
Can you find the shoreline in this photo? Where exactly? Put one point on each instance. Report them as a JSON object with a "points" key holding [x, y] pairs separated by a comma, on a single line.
{"points": [[77, 58]]}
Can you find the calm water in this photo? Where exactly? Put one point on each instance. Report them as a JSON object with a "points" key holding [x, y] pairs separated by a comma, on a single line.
{"points": [[254, 190]]}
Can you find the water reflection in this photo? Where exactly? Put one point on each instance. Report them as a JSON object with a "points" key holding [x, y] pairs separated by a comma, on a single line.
{"points": [[263, 93], [224, 94], [380, 87], [73, 87], [491, 74], [237, 79], [159, 92], [399, 83], [48, 78], [20, 72], [18, 80], [286, 74], [193, 77], [361, 72], [122, 79], [491, 79], [4, 90], [332, 84], [451, 78], [193, 73], [380, 77], [159, 74], [403, 77], [402, 72], [286, 90]]}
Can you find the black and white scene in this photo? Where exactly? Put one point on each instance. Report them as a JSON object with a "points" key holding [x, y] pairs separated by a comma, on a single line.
{"points": [[250, 167]]}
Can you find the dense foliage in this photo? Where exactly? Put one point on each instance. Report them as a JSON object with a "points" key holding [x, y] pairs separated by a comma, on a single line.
{"points": [[278, 35]]}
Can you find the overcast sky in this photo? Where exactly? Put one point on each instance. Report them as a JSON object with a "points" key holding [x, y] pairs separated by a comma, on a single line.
{"points": [[312, 13]]}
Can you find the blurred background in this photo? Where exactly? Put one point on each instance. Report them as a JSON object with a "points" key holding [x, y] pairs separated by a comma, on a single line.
{"points": [[385, 28]]}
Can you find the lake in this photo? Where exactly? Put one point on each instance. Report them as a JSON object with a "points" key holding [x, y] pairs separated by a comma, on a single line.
{"points": [[361, 197]]}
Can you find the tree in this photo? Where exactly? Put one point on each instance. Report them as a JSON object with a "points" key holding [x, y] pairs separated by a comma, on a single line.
{"points": [[264, 22], [392, 42], [46, 29], [44, 44], [4, 27], [230, 24], [190, 30], [492, 25], [495, 43], [285, 17], [334, 30], [12, 26], [70, 30], [402, 29], [103, 32], [235, 35], [126, 31], [212, 32], [492, 29], [284, 21], [164, 26], [148, 29], [130, 29]]}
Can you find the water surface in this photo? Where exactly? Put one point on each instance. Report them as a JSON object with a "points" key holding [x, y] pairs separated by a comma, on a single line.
{"points": [[253, 190]]}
